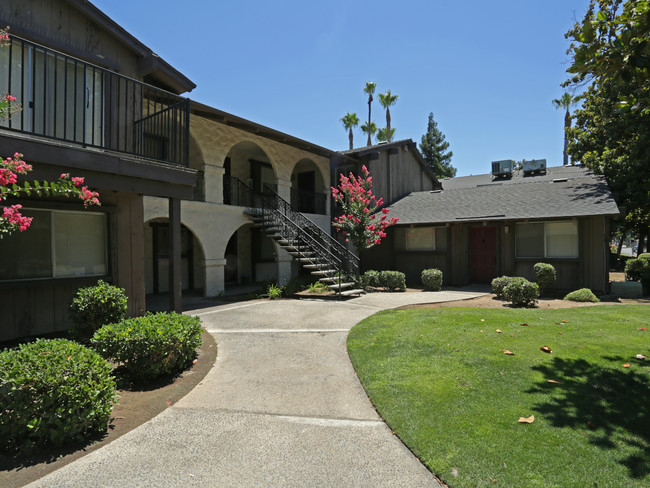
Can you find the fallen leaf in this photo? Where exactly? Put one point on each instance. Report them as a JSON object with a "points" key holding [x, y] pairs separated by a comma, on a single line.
{"points": [[498, 331], [493, 480], [195, 361], [512, 335], [626, 365], [565, 321], [524, 324], [527, 420], [545, 349], [509, 353], [560, 333], [556, 382], [591, 425], [482, 320], [643, 328], [640, 356], [501, 372]]}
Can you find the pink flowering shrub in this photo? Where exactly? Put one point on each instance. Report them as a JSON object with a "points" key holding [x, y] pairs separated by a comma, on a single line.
{"points": [[360, 222]]}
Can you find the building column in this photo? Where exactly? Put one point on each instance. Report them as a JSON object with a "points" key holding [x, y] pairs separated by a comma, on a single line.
{"points": [[214, 277], [213, 182], [284, 189], [175, 275]]}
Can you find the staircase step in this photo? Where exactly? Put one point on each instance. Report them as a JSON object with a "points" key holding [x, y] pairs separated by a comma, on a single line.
{"points": [[325, 272], [302, 253], [340, 286], [348, 293]]}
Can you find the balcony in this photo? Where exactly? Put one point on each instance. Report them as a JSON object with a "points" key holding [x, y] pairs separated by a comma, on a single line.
{"points": [[72, 101], [307, 201]]}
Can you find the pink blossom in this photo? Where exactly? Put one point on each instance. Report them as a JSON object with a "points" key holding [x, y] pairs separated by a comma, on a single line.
{"points": [[77, 181]]}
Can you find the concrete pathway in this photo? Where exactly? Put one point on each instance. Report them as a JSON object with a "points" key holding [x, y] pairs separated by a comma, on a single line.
{"points": [[282, 406]]}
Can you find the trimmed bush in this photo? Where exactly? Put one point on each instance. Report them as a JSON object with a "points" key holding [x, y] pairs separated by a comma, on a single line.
{"points": [[150, 346], [498, 284], [645, 255], [95, 306], [638, 270], [53, 392], [392, 280], [432, 279], [582, 295], [545, 275], [370, 279], [521, 292]]}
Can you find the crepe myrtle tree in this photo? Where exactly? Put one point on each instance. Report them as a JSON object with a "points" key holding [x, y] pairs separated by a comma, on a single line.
{"points": [[362, 221]]}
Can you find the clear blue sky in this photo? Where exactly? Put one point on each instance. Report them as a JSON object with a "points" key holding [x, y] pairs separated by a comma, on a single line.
{"points": [[487, 70]]}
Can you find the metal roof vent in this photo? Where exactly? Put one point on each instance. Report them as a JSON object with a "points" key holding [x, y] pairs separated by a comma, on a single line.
{"points": [[534, 166], [503, 168]]}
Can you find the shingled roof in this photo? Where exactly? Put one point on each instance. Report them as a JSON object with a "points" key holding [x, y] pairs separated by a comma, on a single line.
{"points": [[563, 192]]}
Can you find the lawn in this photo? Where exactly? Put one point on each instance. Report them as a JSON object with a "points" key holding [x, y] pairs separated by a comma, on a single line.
{"points": [[441, 380]]}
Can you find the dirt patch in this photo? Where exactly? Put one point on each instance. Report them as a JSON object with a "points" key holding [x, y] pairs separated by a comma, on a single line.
{"points": [[135, 407], [490, 301]]}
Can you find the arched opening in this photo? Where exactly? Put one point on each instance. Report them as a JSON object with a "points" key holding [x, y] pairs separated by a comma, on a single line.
{"points": [[157, 258], [250, 258], [308, 188], [247, 170]]}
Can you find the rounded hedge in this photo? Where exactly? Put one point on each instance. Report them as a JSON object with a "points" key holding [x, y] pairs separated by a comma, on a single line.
{"points": [[370, 279], [521, 292], [150, 346], [392, 280], [499, 284], [98, 305], [582, 295], [53, 392], [432, 279], [544, 275]]}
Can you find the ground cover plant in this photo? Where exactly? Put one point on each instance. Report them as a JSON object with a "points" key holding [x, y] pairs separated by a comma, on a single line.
{"points": [[453, 384]]}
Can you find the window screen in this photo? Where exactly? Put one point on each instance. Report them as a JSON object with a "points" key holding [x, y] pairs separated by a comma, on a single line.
{"points": [[420, 239]]}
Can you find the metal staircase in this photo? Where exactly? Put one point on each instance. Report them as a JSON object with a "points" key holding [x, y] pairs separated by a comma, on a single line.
{"points": [[309, 245]]}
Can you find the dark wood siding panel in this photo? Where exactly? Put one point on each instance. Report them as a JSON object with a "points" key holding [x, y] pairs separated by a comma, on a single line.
{"points": [[412, 264], [459, 254]]}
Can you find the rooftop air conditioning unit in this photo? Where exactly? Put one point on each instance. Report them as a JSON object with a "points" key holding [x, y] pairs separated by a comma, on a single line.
{"points": [[503, 168], [535, 166]]}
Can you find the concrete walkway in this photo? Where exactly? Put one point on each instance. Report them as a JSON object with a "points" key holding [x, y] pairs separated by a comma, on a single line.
{"points": [[282, 406]]}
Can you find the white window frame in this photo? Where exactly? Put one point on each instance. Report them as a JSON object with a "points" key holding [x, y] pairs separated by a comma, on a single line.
{"points": [[545, 239]]}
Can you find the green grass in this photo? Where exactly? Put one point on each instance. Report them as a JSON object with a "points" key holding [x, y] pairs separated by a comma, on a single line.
{"points": [[441, 381]]}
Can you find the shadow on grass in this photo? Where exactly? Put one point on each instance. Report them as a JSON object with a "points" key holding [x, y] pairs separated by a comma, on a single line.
{"points": [[607, 401]]}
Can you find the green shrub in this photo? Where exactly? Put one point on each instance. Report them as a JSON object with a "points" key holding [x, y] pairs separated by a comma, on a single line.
{"points": [[638, 270], [392, 280], [95, 306], [432, 279], [521, 292], [273, 292], [370, 279], [53, 392], [318, 287], [498, 284], [150, 346], [645, 256], [582, 295], [545, 275]]}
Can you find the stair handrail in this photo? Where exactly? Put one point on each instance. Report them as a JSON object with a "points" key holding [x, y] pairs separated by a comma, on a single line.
{"points": [[347, 260]]}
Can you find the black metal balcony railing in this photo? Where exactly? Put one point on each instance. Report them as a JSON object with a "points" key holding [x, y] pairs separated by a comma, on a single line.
{"points": [[70, 100], [308, 201], [235, 192]]}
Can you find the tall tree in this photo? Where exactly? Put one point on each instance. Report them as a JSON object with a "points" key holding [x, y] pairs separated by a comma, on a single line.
{"points": [[370, 90], [565, 102], [433, 147], [387, 100], [611, 49], [383, 135], [350, 121], [369, 129]]}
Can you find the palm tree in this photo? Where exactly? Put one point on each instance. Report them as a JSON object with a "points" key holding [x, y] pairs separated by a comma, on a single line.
{"points": [[369, 89], [382, 134], [566, 101], [369, 129], [350, 121], [387, 99]]}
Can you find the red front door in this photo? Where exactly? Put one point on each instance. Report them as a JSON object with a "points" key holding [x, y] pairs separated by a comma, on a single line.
{"points": [[483, 254]]}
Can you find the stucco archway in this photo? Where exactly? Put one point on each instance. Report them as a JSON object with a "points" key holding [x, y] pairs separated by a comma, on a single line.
{"points": [[308, 192], [247, 168]]}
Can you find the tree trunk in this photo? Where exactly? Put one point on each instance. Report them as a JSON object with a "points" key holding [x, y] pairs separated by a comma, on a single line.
{"points": [[369, 134], [351, 136], [567, 125], [388, 136]]}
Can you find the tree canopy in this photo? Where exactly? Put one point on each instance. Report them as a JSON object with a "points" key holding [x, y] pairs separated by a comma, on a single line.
{"points": [[433, 147]]}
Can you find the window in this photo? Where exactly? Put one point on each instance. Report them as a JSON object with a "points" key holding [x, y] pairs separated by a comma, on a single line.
{"points": [[421, 239], [58, 244], [547, 239]]}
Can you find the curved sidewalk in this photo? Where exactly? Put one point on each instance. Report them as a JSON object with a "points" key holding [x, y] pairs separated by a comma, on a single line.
{"points": [[282, 406]]}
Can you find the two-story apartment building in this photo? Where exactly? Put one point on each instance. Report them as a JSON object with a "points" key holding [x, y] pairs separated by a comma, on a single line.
{"points": [[95, 103]]}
